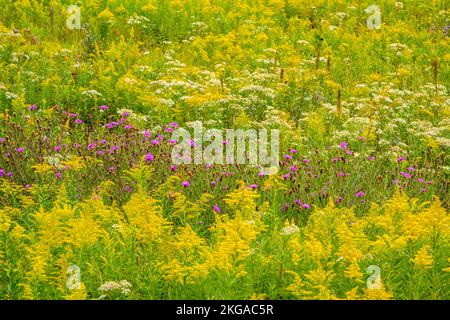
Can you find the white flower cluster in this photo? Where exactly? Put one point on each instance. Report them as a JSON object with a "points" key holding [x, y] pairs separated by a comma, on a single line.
{"points": [[122, 286], [290, 229]]}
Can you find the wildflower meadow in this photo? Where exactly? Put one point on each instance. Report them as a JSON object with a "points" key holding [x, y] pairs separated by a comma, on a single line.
{"points": [[224, 149]]}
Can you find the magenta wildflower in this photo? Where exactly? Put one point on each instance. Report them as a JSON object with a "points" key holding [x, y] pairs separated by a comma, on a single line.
{"points": [[400, 159], [9, 174], [185, 184], [253, 186], [359, 194], [27, 186], [149, 157], [420, 180], [287, 157], [406, 175], [78, 121], [293, 168], [285, 176], [173, 125], [306, 206], [306, 160], [411, 169], [103, 108], [2, 172], [371, 158], [32, 107], [216, 208], [173, 168], [423, 190], [72, 115], [343, 145], [57, 148], [2, 140], [293, 151], [127, 127], [20, 150]]}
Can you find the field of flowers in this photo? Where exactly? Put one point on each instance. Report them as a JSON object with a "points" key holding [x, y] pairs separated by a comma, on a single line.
{"points": [[93, 207]]}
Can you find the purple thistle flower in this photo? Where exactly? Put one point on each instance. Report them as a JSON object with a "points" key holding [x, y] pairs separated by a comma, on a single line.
{"points": [[216, 208], [149, 157], [103, 108], [32, 107], [185, 184], [359, 194], [253, 186], [78, 121], [20, 150], [57, 148], [306, 206], [406, 175]]}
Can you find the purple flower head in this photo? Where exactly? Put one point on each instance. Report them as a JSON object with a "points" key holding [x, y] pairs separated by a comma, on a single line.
{"points": [[253, 186], [306, 206], [173, 125], [185, 184], [2, 140], [57, 148], [423, 190], [2, 172], [306, 160], [173, 168], [78, 121], [149, 157], [103, 108], [293, 168], [216, 208], [371, 158], [406, 175], [411, 169], [27, 186], [420, 180], [343, 145], [32, 107], [127, 127], [293, 151], [9, 174], [287, 157], [20, 150], [400, 159], [359, 194], [72, 115]]}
